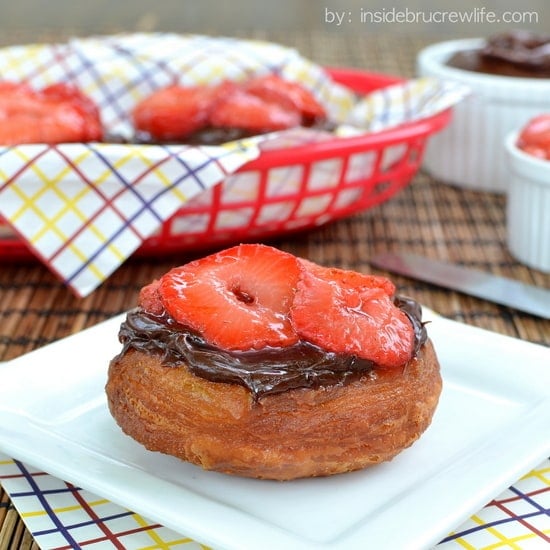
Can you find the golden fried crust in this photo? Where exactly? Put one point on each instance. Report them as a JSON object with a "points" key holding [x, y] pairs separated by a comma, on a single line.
{"points": [[298, 433]]}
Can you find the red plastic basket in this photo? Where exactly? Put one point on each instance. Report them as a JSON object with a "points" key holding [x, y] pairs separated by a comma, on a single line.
{"points": [[389, 160]]}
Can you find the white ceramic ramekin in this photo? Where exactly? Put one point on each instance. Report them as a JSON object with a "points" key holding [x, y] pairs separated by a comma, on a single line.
{"points": [[469, 152], [528, 206]]}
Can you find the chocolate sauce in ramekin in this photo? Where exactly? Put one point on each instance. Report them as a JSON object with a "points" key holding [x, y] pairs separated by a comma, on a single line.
{"points": [[521, 54], [267, 371]]}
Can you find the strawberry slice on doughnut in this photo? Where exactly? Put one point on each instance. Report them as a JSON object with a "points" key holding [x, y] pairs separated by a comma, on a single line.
{"points": [[237, 299], [149, 298], [348, 312]]}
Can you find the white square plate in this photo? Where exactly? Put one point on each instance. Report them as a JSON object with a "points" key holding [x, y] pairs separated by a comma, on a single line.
{"points": [[491, 427]]}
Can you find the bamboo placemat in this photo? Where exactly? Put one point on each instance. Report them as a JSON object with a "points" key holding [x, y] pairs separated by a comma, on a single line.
{"points": [[429, 217]]}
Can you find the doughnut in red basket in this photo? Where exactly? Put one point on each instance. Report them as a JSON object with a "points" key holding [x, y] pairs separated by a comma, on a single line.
{"points": [[257, 363]]}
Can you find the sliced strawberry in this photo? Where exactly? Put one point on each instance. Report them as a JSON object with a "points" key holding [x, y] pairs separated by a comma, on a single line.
{"points": [[237, 299], [175, 112], [349, 278], [240, 109], [537, 152], [274, 89], [348, 312], [8, 87], [534, 139], [56, 114], [149, 298], [65, 94]]}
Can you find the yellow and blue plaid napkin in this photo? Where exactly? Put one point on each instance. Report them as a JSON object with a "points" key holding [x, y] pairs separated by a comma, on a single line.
{"points": [[85, 208], [61, 516]]}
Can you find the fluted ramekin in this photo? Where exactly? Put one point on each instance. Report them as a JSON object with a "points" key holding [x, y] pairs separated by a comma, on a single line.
{"points": [[528, 206], [469, 152]]}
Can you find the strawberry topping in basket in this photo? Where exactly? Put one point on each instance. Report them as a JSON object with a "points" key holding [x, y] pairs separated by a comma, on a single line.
{"points": [[349, 312], [59, 113], [250, 297], [175, 112], [263, 104], [274, 89], [241, 109]]}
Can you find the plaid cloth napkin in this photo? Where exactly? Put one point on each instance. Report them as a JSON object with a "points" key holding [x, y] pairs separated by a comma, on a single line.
{"points": [[62, 516], [85, 208]]}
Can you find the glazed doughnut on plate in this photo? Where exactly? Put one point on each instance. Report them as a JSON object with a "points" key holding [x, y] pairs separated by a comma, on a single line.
{"points": [[257, 363]]}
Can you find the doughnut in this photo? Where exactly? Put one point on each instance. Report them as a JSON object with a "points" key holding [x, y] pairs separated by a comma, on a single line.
{"points": [[256, 363]]}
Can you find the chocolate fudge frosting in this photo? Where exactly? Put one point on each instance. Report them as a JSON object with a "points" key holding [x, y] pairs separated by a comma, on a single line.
{"points": [[517, 53], [263, 372]]}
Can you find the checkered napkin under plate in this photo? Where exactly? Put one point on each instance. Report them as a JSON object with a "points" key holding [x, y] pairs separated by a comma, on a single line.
{"points": [[62, 516]]}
